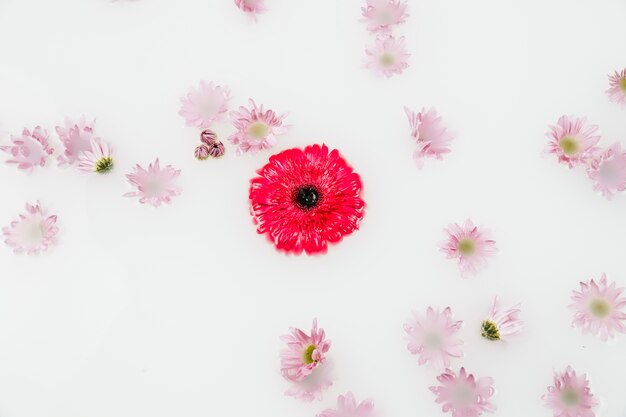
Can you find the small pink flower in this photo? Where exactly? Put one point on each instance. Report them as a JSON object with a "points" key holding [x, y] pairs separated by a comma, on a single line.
{"points": [[304, 352], [598, 308], [76, 137], [347, 407], [470, 245], [154, 185], [32, 232], [464, 395], [502, 323], [202, 152], [251, 6], [608, 171], [98, 159], [432, 138], [572, 140], [387, 56], [570, 396], [29, 150], [617, 89], [208, 137], [382, 15], [257, 129], [216, 149], [204, 105], [434, 337]]}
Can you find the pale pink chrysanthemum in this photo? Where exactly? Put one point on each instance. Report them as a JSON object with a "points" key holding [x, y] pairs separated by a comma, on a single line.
{"points": [[251, 6], [257, 129], [381, 15], [434, 337], [29, 150], [313, 386], [502, 323], [204, 105], [598, 308], [617, 89], [155, 185], [570, 396], [464, 395], [348, 407], [98, 159], [33, 232], [572, 140], [432, 138], [304, 352], [470, 245], [387, 56], [607, 170], [76, 138]]}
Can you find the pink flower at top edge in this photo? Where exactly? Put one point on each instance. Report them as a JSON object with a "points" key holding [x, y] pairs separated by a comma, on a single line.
{"points": [[98, 159], [29, 150], [251, 6], [257, 129], [33, 232], [470, 245], [617, 87], [203, 106], [599, 308], [155, 185], [502, 323], [464, 395], [76, 138], [304, 352], [432, 137], [387, 57], [607, 170], [348, 407], [434, 337], [570, 396], [572, 140], [381, 15]]}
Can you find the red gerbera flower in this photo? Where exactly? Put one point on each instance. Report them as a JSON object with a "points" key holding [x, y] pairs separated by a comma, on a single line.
{"points": [[305, 198]]}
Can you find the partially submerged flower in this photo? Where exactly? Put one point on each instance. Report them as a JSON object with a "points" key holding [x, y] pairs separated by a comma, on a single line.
{"points": [[433, 337], [34, 231], [257, 129], [607, 170], [348, 407], [203, 106], [304, 352], [502, 323], [251, 6], [570, 396], [617, 87], [76, 137], [154, 185], [599, 308], [98, 159], [387, 56], [470, 245], [431, 136], [464, 395], [381, 15], [572, 140], [29, 150]]}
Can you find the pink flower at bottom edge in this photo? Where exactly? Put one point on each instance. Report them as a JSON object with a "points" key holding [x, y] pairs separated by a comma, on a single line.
{"points": [[348, 407], [570, 396], [33, 232], [464, 395], [155, 185]]}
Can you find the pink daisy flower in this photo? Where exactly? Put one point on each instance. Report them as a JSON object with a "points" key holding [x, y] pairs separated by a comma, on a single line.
{"points": [[617, 89], [155, 185], [304, 352], [470, 245], [434, 337], [608, 171], [348, 407], [570, 396], [204, 105], [32, 232], [387, 56], [29, 150], [98, 159], [572, 140], [251, 6], [502, 323], [257, 129], [382, 15], [432, 138], [76, 138], [598, 308], [464, 395]]}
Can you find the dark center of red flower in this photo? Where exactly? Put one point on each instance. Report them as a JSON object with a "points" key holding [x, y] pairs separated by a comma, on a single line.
{"points": [[307, 197]]}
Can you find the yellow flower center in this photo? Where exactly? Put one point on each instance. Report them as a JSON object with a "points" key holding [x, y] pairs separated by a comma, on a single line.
{"points": [[104, 165], [386, 60], [258, 130], [308, 354], [569, 146], [569, 397], [490, 330], [622, 84], [600, 308], [467, 247]]}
